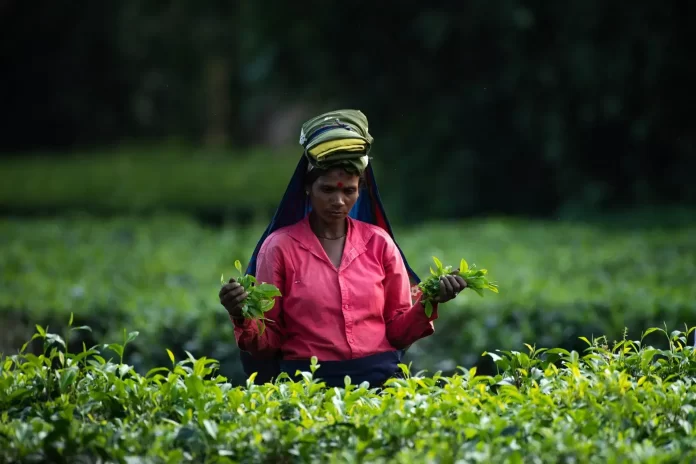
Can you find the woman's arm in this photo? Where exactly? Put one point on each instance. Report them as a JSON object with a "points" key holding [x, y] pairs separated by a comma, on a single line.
{"points": [[406, 322], [269, 269]]}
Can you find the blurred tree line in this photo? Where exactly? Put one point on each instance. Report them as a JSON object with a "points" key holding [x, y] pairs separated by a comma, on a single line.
{"points": [[508, 106]]}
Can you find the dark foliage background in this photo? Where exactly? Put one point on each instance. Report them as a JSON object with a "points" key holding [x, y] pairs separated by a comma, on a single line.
{"points": [[532, 108]]}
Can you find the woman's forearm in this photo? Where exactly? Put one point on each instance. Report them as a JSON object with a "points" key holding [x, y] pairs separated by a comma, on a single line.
{"points": [[410, 324], [250, 339]]}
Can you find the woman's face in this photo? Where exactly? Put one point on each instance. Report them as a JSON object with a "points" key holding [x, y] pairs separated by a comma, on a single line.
{"points": [[334, 194]]}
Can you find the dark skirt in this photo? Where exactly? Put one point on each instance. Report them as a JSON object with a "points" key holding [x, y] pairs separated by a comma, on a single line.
{"points": [[375, 369]]}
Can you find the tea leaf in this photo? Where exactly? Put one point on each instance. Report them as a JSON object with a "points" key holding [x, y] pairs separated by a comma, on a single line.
{"points": [[67, 378], [55, 338], [211, 427], [428, 308], [438, 264], [132, 336], [82, 327]]}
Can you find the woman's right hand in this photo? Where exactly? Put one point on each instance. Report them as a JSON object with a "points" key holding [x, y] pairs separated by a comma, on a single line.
{"points": [[232, 296]]}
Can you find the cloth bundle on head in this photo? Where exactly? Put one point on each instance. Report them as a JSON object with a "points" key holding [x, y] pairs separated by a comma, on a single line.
{"points": [[337, 138]]}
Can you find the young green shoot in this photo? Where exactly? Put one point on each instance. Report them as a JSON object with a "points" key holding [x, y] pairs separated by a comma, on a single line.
{"points": [[475, 279], [261, 297]]}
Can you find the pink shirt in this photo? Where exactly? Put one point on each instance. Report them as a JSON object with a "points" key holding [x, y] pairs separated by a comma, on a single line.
{"points": [[364, 307]]}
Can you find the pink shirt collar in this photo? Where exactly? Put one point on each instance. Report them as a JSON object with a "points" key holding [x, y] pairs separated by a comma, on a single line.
{"points": [[358, 236]]}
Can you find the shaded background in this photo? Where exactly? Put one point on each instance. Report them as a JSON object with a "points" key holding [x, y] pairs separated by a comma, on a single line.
{"points": [[528, 108], [557, 111]]}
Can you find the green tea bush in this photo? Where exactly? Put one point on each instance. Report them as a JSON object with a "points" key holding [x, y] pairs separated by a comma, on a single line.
{"points": [[162, 274], [611, 402]]}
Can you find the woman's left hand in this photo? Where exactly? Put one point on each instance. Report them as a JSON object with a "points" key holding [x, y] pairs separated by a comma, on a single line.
{"points": [[450, 286]]}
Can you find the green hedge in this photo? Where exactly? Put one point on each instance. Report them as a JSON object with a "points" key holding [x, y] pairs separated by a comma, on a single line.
{"points": [[138, 180], [616, 402], [161, 276], [216, 186]]}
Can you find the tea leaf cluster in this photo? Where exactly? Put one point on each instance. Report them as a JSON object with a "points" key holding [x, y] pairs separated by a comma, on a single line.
{"points": [[260, 299]]}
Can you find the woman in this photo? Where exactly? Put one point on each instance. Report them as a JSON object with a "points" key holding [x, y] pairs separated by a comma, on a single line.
{"points": [[346, 293]]}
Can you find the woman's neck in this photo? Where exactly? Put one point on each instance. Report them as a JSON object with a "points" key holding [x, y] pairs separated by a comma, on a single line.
{"points": [[330, 230]]}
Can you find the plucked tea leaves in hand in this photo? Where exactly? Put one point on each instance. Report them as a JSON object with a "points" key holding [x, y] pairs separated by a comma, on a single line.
{"points": [[475, 279], [260, 299]]}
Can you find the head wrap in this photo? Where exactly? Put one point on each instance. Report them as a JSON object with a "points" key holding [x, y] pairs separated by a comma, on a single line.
{"points": [[337, 138]]}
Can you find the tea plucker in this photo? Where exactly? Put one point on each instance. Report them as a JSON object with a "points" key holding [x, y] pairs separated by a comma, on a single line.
{"points": [[347, 290]]}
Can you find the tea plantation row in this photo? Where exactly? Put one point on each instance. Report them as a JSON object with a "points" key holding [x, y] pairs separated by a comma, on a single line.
{"points": [[623, 402], [161, 276], [204, 183]]}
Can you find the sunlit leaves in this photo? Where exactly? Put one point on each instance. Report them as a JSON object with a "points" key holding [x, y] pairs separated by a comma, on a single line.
{"points": [[619, 400]]}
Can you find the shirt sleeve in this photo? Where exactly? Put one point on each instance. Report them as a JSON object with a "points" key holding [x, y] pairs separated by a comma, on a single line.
{"points": [[406, 322], [269, 269]]}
